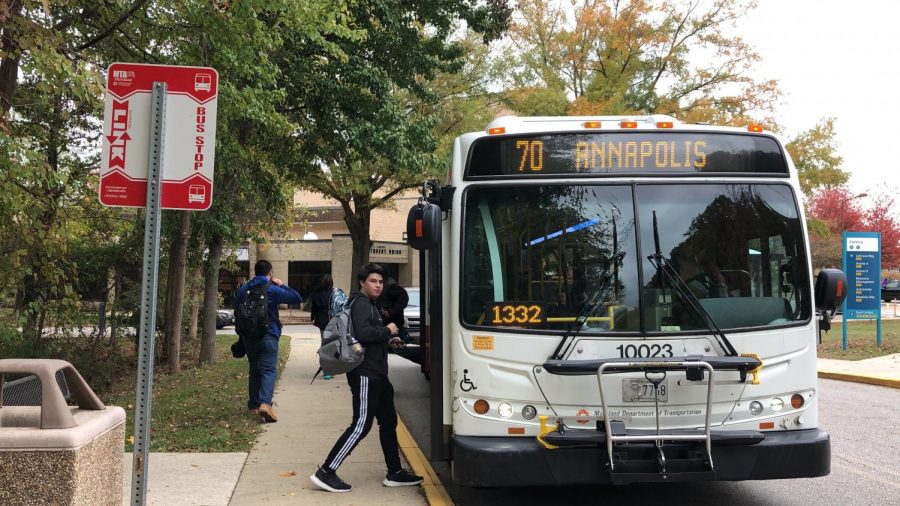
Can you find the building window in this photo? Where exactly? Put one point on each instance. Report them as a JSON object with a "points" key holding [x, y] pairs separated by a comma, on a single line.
{"points": [[321, 214]]}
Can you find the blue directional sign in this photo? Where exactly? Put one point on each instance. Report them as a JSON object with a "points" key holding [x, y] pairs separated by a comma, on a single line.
{"points": [[862, 265]]}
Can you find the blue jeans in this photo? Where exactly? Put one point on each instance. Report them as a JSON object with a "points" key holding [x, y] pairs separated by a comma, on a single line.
{"points": [[263, 357]]}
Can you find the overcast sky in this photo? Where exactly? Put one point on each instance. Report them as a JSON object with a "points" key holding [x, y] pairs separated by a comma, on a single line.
{"points": [[841, 59]]}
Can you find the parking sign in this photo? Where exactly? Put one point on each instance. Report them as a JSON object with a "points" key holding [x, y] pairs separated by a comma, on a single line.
{"points": [[190, 133]]}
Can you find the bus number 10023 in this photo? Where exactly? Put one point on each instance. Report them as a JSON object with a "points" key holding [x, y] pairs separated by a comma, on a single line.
{"points": [[645, 350]]}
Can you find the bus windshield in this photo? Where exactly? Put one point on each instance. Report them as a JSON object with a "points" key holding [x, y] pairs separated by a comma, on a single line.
{"points": [[561, 257]]}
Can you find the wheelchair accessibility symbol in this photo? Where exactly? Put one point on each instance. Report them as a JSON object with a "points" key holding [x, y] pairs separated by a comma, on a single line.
{"points": [[466, 384]]}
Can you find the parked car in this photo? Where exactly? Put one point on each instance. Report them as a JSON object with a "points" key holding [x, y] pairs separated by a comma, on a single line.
{"points": [[224, 317], [891, 290], [413, 315]]}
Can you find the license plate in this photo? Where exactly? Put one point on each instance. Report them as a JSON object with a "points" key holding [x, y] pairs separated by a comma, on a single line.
{"points": [[641, 390]]}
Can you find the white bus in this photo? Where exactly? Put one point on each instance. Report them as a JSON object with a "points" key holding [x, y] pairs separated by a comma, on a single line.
{"points": [[617, 300]]}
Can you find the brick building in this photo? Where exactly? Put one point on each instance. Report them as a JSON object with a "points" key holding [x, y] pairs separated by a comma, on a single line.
{"points": [[318, 243]]}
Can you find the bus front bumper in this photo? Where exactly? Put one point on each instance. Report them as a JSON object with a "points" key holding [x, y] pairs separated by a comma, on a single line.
{"points": [[507, 461]]}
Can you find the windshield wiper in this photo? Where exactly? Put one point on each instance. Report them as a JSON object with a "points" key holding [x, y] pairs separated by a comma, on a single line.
{"points": [[664, 269], [587, 308]]}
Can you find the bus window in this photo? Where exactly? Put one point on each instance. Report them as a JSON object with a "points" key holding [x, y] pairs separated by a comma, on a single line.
{"points": [[539, 257], [737, 248]]}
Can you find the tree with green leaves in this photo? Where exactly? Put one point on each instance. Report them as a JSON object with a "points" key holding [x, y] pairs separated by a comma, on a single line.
{"points": [[49, 102], [362, 133], [252, 195], [463, 99], [814, 153]]}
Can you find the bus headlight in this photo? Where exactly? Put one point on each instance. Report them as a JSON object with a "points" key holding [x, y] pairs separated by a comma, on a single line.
{"points": [[505, 410], [756, 408], [776, 404], [529, 412]]}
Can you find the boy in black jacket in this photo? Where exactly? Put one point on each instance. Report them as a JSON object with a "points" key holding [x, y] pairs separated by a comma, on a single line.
{"points": [[373, 394]]}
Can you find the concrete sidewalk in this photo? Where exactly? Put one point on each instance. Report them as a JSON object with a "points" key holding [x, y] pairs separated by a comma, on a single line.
{"points": [[310, 419], [884, 371], [187, 478]]}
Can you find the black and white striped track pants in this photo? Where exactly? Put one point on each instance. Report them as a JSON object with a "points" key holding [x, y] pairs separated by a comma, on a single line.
{"points": [[373, 399]]}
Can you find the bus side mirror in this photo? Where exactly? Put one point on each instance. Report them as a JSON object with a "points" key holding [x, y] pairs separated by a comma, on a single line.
{"points": [[423, 226], [831, 289]]}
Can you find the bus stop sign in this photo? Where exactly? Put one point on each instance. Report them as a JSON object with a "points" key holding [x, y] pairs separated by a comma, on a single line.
{"points": [[190, 133]]}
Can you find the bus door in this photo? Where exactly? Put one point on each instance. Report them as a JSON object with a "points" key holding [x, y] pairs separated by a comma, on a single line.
{"points": [[424, 233]]}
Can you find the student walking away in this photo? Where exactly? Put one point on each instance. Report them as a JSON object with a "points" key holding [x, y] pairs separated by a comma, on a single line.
{"points": [[259, 327], [391, 305], [373, 394]]}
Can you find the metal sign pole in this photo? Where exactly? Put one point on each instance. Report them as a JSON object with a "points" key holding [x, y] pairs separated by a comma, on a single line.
{"points": [[148, 297]]}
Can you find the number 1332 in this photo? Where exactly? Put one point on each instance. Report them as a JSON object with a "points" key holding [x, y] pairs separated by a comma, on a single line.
{"points": [[515, 314]]}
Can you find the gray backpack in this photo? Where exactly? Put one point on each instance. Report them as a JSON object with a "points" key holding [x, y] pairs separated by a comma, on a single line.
{"points": [[340, 351]]}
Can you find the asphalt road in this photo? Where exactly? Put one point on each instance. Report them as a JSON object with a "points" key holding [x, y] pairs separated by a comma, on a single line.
{"points": [[865, 468]]}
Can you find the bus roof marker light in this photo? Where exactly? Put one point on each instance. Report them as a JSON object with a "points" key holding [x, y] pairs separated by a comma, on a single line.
{"points": [[496, 130], [665, 124], [591, 124], [628, 124], [754, 127]]}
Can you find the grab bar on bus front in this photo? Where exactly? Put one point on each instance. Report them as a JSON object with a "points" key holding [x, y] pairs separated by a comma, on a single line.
{"points": [[743, 364]]}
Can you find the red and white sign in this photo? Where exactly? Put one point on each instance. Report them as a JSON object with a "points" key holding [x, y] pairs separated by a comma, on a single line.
{"points": [[190, 134]]}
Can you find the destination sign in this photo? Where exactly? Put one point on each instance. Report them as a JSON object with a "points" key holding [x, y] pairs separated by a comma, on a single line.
{"points": [[626, 153]]}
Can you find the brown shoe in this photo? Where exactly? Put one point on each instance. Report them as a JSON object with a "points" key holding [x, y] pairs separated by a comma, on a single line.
{"points": [[267, 413], [253, 411]]}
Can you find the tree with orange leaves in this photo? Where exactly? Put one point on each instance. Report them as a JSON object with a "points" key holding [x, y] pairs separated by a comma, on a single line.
{"points": [[637, 57]]}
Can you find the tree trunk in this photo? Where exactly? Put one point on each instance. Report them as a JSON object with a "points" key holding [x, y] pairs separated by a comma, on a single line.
{"points": [[210, 295], [196, 288], [175, 306], [358, 226], [9, 67]]}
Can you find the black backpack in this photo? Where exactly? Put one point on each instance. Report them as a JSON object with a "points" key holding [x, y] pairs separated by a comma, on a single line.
{"points": [[252, 314]]}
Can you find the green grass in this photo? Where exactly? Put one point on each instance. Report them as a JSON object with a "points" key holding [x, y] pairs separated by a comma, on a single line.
{"points": [[861, 340], [201, 409]]}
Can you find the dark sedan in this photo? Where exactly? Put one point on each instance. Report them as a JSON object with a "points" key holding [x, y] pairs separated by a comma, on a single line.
{"points": [[224, 318], [891, 290]]}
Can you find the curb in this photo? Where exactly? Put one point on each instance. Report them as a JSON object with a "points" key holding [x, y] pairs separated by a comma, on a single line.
{"points": [[435, 493], [856, 378]]}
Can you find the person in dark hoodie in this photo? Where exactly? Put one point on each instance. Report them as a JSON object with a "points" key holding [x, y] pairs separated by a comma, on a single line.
{"points": [[391, 304], [263, 353], [319, 305], [320, 301], [373, 394]]}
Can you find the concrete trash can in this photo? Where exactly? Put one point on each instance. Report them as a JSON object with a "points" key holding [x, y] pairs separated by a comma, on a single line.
{"points": [[55, 453]]}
